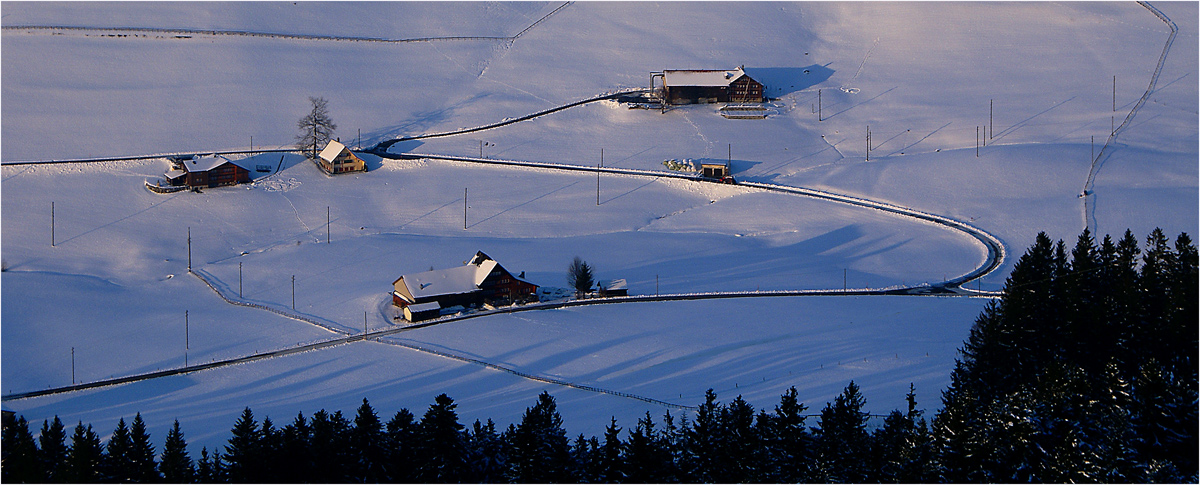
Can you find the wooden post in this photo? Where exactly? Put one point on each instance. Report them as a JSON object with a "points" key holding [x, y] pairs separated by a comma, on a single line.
{"points": [[868, 143], [655, 285], [293, 292], [464, 208], [239, 279], [326, 224], [187, 340], [364, 325], [819, 105], [72, 366], [252, 144], [189, 249], [991, 127], [844, 270], [1113, 118], [976, 142], [52, 228]]}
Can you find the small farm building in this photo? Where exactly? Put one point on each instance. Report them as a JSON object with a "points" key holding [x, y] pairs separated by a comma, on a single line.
{"points": [[422, 311], [209, 171], [336, 158], [481, 280], [713, 169], [616, 287], [709, 86]]}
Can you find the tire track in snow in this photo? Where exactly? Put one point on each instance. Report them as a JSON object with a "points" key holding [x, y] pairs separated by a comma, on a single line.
{"points": [[1089, 209]]}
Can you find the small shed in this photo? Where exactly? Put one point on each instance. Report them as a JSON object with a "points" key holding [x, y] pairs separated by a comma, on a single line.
{"points": [[336, 158], [709, 86], [714, 169], [616, 287], [210, 171], [422, 311]]}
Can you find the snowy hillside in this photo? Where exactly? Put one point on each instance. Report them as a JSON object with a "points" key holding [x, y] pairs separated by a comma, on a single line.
{"points": [[146, 78]]}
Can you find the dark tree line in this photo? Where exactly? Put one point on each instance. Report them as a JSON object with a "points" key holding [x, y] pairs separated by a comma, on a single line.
{"points": [[1084, 370]]}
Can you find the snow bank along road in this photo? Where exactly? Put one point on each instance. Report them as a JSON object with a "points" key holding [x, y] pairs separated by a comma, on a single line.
{"points": [[995, 250]]}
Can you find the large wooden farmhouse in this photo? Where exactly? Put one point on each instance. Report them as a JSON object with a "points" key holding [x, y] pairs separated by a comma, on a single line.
{"points": [[481, 280], [210, 171], [336, 158], [709, 86]]}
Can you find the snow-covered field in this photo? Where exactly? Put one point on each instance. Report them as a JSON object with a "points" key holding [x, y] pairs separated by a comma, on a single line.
{"points": [[115, 285]]}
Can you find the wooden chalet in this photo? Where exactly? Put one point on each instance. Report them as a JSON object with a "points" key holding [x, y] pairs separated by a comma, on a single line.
{"points": [[481, 280], [336, 158], [209, 171], [709, 86]]}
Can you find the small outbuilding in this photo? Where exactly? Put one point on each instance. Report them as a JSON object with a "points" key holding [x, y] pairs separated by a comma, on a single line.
{"points": [[210, 171], [422, 311], [709, 86], [616, 287], [714, 169], [336, 158]]}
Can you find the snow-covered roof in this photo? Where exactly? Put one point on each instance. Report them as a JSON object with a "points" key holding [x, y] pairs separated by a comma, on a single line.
{"points": [[617, 284], [174, 174], [206, 163], [424, 307], [453, 281], [332, 150], [701, 77]]}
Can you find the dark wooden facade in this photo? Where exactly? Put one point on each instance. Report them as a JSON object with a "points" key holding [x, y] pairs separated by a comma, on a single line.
{"points": [[227, 173], [700, 87], [500, 286]]}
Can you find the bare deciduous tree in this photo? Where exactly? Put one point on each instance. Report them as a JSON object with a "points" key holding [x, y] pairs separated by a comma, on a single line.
{"points": [[316, 128]]}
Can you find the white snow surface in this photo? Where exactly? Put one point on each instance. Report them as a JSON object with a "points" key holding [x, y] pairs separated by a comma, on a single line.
{"points": [[115, 287]]}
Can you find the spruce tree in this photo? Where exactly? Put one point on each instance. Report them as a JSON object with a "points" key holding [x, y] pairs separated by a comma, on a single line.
{"points": [[787, 440], [647, 455], [401, 436], [367, 446], [440, 452], [52, 442], [175, 465], [142, 465], [539, 449], [487, 461], [611, 465], [330, 447], [243, 454], [117, 464], [20, 461], [85, 456], [295, 442], [843, 445]]}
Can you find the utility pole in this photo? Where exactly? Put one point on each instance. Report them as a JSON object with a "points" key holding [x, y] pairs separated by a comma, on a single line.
{"points": [[364, 325], [991, 127], [464, 208], [976, 142], [189, 249], [1113, 118], [252, 144], [868, 143], [187, 344], [72, 366], [239, 279], [819, 105], [655, 285], [52, 228], [326, 224], [844, 287], [293, 292]]}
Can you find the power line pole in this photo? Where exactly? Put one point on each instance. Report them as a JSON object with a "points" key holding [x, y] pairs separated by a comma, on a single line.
{"points": [[1113, 118], [189, 249], [252, 144], [364, 325], [464, 208], [655, 285], [991, 127], [976, 142], [868, 143], [293, 292], [844, 270], [326, 224], [819, 105], [187, 344], [52, 228], [72, 366], [239, 279]]}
